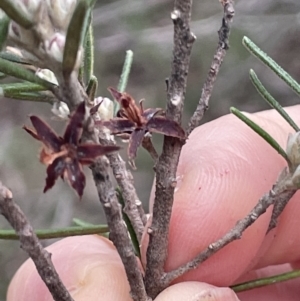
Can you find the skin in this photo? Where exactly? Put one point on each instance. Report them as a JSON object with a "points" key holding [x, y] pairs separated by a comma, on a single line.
{"points": [[224, 169]]}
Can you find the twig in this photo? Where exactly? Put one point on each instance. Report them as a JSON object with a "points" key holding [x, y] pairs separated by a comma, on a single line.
{"points": [[168, 161], [275, 195], [118, 231], [278, 208], [223, 46], [30, 244], [70, 91], [133, 206]]}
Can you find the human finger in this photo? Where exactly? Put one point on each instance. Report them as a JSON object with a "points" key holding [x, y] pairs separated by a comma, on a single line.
{"points": [[89, 267], [224, 169]]}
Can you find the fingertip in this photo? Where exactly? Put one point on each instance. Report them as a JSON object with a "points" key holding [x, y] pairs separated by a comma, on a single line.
{"points": [[196, 291], [89, 266], [224, 169]]}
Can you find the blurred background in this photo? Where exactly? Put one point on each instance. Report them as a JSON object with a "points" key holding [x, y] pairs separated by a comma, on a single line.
{"points": [[145, 28]]}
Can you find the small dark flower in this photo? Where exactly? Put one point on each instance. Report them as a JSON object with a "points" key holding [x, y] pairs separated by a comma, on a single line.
{"points": [[65, 155], [134, 121]]}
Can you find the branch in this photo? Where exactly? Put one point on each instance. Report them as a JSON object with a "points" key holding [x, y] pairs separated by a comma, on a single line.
{"points": [[118, 231], [275, 195], [168, 161], [30, 244], [70, 91], [133, 206], [223, 46], [278, 208]]}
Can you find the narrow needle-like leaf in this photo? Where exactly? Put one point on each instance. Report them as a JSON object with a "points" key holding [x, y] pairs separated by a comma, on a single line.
{"points": [[81, 223], [21, 87], [124, 76], [58, 233], [265, 281], [33, 96], [130, 229], [4, 22], [271, 100], [17, 71], [15, 14], [261, 132], [126, 71], [12, 58], [89, 54], [92, 87], [24, 91], [257, 52], [75, 34]]}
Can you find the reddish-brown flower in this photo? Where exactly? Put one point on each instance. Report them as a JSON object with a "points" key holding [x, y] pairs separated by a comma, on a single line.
{"points": [[65, 155], [136, 122]]}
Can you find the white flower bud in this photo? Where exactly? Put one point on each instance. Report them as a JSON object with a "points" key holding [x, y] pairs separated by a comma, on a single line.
{"points": [[55, 46], [61, 110], [293, 149], [106, 109], [47, 75], [2, 14], [31, 5], [28, 7], [61, 12]]}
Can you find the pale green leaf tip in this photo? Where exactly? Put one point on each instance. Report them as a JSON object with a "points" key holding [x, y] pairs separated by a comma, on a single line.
{"points": [[244, 40]]}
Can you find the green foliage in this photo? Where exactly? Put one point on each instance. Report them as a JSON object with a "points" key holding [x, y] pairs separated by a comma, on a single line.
{"points": [[262, 56]]}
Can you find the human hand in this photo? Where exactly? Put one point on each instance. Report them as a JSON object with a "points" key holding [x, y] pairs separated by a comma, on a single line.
{"points": [[224, 169]]}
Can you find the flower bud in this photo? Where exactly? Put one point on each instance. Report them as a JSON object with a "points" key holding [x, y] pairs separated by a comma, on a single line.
{"points": [[47, 75], [2, 14], [61, 110], [293, 149], [55, 46], [61, 12], [106, 109], [31, 5]]}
